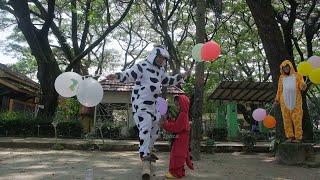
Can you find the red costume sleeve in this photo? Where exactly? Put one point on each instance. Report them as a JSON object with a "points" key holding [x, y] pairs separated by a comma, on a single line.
{"points": [[178, 125]]}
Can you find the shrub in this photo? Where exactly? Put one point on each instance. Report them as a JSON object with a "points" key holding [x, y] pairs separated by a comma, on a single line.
{"points": [[217, 134], [88, 146], [210, 146], [25, 124], [105, 147], [249, 140], [274, 146], [18, 124], [70, 128], [133, 132], [110, 130]]}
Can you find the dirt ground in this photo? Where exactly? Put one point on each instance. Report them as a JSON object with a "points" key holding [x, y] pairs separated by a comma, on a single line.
{"points": [[68, 164]]}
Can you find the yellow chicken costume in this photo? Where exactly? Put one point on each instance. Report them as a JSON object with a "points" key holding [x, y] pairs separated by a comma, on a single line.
{"points": [[289, 96]]}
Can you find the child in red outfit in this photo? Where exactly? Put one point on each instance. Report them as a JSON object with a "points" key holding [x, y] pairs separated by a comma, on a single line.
{"points": [[180, 153]]}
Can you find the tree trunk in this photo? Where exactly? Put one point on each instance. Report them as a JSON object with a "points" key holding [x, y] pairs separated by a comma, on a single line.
{"points": [[307, 124], [276, 52], [196, 134], [48, 69], [273, 45]]}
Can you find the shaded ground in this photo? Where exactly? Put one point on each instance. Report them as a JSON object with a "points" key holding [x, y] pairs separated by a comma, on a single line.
{"points": [[69, 164]]}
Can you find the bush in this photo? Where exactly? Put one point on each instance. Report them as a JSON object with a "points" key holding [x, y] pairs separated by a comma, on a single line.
{"points": [[69, 128], [316, 135], [110, 130], [133, 132], [88, 146], [25, 124], [210, 146], [274, 146], [217, 134], [105, 147], [18, 124], [249, 140]]}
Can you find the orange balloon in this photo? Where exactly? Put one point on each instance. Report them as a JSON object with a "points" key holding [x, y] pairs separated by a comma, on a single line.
{"points": [[269, 122]]}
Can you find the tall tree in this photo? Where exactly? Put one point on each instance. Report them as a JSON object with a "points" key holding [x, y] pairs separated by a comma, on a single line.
{"points": [[196, 135], [35, 18], [170, 20], [276, 51], [290, 14]]}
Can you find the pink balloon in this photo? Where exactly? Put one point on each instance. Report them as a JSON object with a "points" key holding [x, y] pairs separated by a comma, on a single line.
{"points": [[210, 51], [314, 61], [259, 114], [162, 106]]}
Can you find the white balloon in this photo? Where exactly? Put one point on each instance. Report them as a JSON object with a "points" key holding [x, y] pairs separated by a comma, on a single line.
{"points": [[90, 92], [314, 61], [67, 84]]}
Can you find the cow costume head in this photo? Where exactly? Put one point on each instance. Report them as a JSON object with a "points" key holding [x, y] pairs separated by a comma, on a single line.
{"points": [[158, 56]]}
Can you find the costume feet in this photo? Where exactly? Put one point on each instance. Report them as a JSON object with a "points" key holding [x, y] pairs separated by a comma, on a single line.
{"points": [[148, 158], [154, 150], [289, 140], [296, 141], [154, 156], [170, 176]]}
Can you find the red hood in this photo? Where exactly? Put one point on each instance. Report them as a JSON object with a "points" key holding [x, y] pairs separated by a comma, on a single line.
{"points": [[184, 103]]}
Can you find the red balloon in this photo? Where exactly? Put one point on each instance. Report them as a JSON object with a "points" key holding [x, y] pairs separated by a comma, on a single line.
{"points": [[210, 51]]}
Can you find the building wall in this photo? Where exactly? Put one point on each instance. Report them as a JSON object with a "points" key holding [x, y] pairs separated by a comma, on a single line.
{"points": [[121, 97], [116, 97], [5, 101]]}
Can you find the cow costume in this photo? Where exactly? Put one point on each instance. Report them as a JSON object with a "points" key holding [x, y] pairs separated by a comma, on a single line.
{"points": [[148, 77]]}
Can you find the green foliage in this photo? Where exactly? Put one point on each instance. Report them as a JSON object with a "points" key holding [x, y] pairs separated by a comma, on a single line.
{"points": [[110, 130], [89, 144], [248, 140], [217, 134], [317, 135], [68, 109], [26, 65], [233, 27], [70, 129], [173, 111], [25, 124], [274, 146], [105, 147], [314, 105], [210, 145], [20, 124], [133, 132]]}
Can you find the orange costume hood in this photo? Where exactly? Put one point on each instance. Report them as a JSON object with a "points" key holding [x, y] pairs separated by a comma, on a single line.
{"points": [[283, 64]]}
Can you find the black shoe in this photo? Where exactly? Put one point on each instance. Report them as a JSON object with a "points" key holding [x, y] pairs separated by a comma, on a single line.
{"points": [[154, 156]]}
